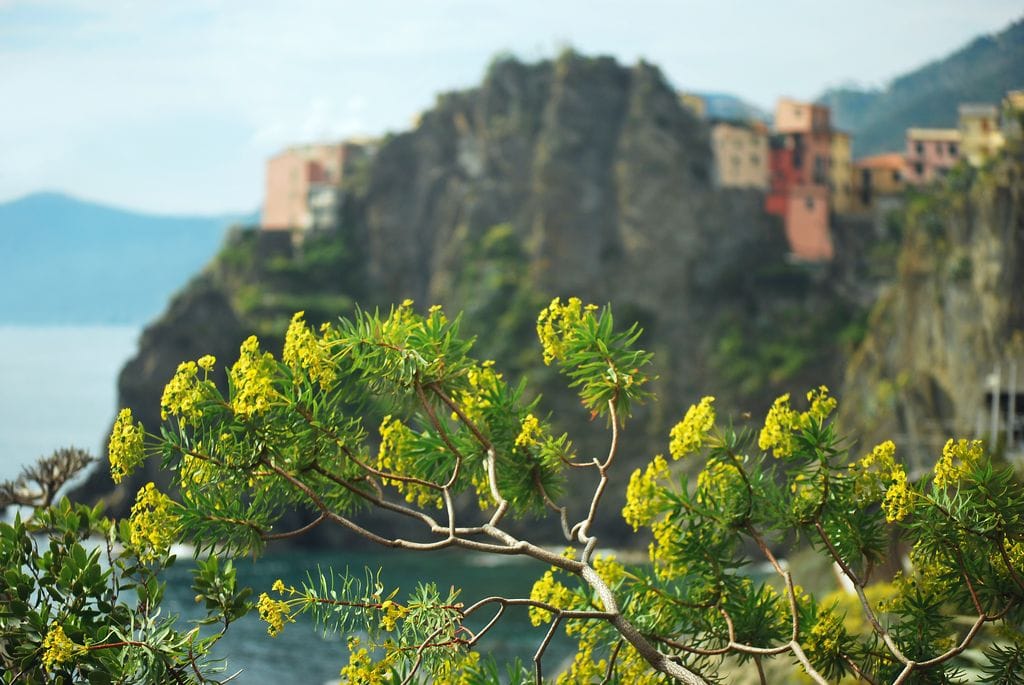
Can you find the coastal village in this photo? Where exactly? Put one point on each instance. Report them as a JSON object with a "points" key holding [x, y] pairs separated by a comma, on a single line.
{"points": [[802, 163]]}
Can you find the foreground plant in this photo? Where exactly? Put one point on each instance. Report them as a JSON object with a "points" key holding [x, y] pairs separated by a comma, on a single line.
{"points": [[80, 596], [291, 433]]}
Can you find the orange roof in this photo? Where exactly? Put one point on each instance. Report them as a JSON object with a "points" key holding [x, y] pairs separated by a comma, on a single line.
{"points": [[888, 160]]}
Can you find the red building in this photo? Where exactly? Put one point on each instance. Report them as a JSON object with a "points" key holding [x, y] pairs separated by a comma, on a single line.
{"points": [[800, 161]]}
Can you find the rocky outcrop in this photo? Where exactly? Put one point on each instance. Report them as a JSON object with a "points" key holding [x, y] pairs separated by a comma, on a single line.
{"points": [[576, 176], [955, 311]]}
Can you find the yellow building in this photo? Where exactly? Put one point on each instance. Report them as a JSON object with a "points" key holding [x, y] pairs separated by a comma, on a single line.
{"points": [[878, 176], [980, 136], [840, 173], [741, 155], [1013, 114]]}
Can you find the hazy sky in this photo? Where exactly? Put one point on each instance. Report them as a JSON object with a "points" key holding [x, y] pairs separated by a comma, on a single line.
{"points": [[173, 105]]}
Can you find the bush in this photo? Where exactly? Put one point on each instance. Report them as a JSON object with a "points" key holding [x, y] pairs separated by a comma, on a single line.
{"points": [[292, 433], [80, 598]]}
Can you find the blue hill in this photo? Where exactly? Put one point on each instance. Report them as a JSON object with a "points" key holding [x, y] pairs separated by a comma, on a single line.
{"points": [[731, 108], [69, 261]]}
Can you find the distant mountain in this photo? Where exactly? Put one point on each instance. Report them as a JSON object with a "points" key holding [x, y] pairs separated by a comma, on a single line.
{"points": [[730, 107], [68, 261], [982, 71]]}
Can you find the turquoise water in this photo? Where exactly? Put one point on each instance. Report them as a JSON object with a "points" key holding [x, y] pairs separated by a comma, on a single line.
{"points": [[302, 655], [58, 388]]}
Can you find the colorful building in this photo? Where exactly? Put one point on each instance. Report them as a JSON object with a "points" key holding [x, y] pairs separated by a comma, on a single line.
{"points": [[740, 154], [305, 183], [930, 154], [980, 135], [840, 173], [1012, 119], [801, 175], [877, 177], [807, 223], [792, 116]]}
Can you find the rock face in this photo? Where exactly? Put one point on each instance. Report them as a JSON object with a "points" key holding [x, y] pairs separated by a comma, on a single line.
{"points": [[604, 180], [955, 311], [572, 177]]}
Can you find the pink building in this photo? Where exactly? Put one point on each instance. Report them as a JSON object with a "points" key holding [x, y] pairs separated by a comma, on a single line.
{"points": [[305, 180], [930, 154], [792, 116], [801, 173], [807, 223]]}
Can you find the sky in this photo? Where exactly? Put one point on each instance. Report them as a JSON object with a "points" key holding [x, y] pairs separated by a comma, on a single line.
{"points": [[173, 107]]}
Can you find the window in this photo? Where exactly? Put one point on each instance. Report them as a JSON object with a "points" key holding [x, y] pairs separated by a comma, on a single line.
{"points": [[952, 149], [809, 202], [919, 147], [897, 176]]}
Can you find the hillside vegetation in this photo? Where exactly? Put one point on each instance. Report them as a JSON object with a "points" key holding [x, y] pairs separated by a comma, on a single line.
{"points": [[982, 71]]}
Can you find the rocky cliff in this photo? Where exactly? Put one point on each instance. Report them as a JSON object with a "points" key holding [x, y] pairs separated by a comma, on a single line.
{"points": [[576, 176], [954, 312]]}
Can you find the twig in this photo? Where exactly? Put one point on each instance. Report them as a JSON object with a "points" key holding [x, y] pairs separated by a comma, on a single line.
{"points": [[539, 654], [610, 671], [298, 531]]}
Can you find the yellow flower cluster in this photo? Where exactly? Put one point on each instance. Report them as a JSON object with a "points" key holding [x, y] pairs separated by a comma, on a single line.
{"points": [[125, 449], [275, 612], [393, 456], [59, 649], [643, 494], [716, 483], [392, 612], [194, 471], [688, 435], [459, 669], [610, 570], [483, 381], [660, 551], [550, 591], [529, 433], [898, 501], [153, 523], [827, 637], [206, 362], [783, 421], [556, 326], [303, 351], [394, 441], [821, 406], [183, 393], [361, 669], [808, 494], [632, 668], [966, 452], [777, 434], [482, 488], [878, 476], [252, 380], [872, 473], [584, 669]]}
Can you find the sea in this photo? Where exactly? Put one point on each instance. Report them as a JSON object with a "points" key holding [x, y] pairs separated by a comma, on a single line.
{"points": [[58, 389]]}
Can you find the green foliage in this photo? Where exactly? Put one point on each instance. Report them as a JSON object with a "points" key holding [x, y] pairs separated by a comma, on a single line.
{"points": [[79, 603], [460, 443]]}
